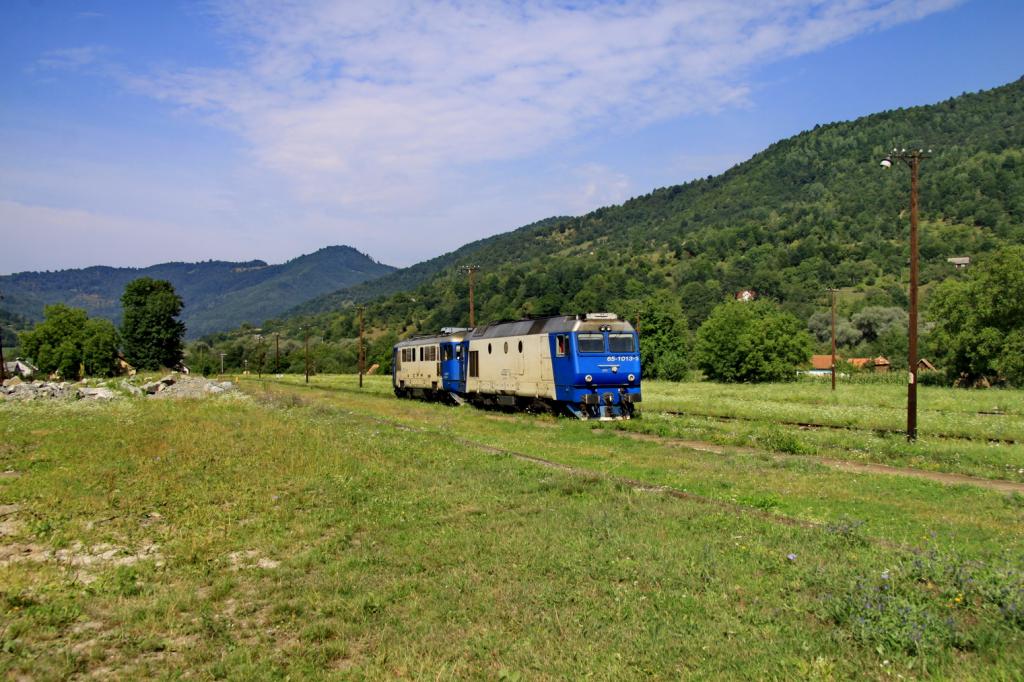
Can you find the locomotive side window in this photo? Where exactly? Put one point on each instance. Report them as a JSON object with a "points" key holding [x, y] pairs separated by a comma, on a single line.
{"points": [[474, 363], [446, 352], [590, 343], [561, 345], [621, 343]]}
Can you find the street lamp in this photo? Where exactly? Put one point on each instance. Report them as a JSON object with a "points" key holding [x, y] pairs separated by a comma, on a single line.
{"points": [[911, 157]]}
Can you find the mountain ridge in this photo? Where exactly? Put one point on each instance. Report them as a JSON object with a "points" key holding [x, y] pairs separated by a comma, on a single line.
{"points": [[218, 294]]}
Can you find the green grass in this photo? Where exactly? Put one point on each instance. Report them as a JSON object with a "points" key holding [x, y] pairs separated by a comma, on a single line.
{"points": [[330, 533]]}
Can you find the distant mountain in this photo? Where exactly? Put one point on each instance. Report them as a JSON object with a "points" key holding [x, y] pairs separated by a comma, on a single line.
{"points": [[218, 295], [483, 252]]}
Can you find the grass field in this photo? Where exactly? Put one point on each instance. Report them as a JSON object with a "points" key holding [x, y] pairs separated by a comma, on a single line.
{"points": [[329, 532]]}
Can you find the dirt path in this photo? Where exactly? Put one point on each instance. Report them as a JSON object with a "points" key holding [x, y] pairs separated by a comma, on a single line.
{"points": [[839, 464]]}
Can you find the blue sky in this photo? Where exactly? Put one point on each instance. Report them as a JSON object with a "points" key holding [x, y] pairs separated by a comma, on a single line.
{"points": [[133, 133]]}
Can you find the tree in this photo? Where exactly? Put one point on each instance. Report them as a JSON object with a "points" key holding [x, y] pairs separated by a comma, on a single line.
{"points": [[874, 321], [151, 331], [55, 344], [69, 343], [979, 320], [99, 348], [664, 340], [751, 341]]}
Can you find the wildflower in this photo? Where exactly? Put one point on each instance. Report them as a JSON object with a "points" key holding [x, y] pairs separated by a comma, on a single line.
{"points": [[791, 557], [885, 574]]}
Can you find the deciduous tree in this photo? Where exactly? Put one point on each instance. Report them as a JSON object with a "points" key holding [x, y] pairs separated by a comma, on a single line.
{"points": [[151, 330], [751, 341], [979, 320]]}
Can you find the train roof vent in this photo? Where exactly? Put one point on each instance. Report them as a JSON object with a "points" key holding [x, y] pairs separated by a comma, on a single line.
{"points": [[602, 316]]}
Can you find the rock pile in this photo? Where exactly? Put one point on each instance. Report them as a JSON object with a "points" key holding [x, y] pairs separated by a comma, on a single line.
{"points": [[15, 389], [171, 386], [185, 386]]}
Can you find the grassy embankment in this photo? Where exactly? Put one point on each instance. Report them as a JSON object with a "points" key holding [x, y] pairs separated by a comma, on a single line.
{"points": [[331, 531]]}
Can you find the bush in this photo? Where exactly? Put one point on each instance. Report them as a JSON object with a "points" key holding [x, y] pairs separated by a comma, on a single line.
{"points": [[751, 342]]}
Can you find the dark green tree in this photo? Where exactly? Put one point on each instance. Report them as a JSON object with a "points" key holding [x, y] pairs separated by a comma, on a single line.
{"points": [[665, 340], [979, 320], [151, 330], [751, 342], [99, 348]]}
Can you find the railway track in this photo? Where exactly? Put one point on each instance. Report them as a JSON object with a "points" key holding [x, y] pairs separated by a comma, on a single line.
{"points": [[837, 427]]}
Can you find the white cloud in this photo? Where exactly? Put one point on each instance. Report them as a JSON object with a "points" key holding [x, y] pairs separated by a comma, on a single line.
{"points": [[406, 128], [71, 58], [363, 103]]}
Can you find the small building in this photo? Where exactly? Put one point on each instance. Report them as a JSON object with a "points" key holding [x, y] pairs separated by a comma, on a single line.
{"points": [[823, 361], [20, 368], [881, 364], [923, 365], [959, 262]]}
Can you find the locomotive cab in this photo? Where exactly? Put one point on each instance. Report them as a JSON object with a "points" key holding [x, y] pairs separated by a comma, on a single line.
{"points": [[598, 367]]}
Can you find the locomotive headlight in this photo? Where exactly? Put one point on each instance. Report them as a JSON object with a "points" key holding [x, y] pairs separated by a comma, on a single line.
{"points": [[589, 378], [631, 377]]}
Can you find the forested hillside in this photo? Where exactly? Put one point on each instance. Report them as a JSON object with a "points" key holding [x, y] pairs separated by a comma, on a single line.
{"points": [[808, 212], [218, 295]]}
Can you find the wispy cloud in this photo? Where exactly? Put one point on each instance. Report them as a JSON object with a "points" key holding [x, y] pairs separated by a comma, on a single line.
{"points": [[359, 103], [71, 58]]}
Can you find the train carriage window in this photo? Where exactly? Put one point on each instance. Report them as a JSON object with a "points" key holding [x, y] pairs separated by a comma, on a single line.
{"points": [[590, 343], [520, 346], [488, 349], [561, 345], [421, 353], [430, 353], [506, 348], [474, 363], [621, 343]]}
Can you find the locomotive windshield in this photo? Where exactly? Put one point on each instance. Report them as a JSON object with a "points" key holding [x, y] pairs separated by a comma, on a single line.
{"points": [[590, 343], [621, 343]]}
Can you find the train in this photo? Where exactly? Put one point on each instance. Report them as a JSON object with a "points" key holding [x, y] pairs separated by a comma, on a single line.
{"points": [[586, 366]]}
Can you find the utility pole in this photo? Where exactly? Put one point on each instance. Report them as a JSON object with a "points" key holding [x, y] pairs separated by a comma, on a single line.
{"points": [[306, 329], [361, 358], [277, 352], [259, 356], [471, 270], [833, 292], [912, 158], [3, 365]]}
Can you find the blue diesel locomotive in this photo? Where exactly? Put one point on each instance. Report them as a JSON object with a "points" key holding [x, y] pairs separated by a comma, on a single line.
{"points": [[584, 365]]}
